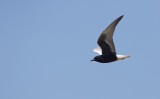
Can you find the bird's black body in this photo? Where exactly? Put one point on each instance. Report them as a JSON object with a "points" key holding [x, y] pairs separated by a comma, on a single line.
{"points": [[105, 58]]}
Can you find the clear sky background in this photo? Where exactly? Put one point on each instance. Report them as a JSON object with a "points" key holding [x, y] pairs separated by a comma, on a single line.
{"points": [[46, 48]]}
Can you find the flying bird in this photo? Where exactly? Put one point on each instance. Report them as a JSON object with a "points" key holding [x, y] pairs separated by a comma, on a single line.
{"points": [[106, 50]]}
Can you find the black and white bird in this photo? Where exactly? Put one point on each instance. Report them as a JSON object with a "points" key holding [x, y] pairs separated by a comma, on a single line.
{"points": [[106, 50]]}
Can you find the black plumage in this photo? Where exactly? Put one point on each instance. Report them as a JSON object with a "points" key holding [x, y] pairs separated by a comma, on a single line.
{"points": [[105, 41]]}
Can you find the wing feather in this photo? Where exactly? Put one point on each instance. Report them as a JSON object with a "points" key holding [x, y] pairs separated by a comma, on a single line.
{"points": [[105, 40]]}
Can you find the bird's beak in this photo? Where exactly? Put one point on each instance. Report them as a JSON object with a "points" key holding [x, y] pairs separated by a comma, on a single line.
{"points": [[92, 60]]}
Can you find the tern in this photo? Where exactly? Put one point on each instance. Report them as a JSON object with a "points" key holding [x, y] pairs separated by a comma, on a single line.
{"points": [[106, 50]]}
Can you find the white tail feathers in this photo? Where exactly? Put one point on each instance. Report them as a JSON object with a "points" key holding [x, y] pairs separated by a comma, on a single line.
{"points": [[121, 57]]}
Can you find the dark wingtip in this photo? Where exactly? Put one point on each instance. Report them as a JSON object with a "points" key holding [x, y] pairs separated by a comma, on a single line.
{"points": [[121, 16]]}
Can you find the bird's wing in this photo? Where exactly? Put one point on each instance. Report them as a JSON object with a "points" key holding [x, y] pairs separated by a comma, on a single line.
{"points": [[98, 50], [105, 40]]}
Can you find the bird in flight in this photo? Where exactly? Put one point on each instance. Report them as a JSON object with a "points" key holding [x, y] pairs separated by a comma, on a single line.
{"points": [[106, 50]]}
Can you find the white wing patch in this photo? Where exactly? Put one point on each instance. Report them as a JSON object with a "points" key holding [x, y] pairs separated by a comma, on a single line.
{"points": [[98, 50]]}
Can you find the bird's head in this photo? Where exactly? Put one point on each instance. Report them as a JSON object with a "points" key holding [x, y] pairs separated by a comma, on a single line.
{"points": [[97, 58]]}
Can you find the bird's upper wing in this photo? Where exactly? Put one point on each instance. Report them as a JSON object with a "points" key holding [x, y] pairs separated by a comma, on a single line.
{"points": [[105, 40]]}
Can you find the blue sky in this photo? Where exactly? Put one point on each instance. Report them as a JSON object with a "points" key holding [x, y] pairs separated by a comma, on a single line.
{"points": [[46, 48]]}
